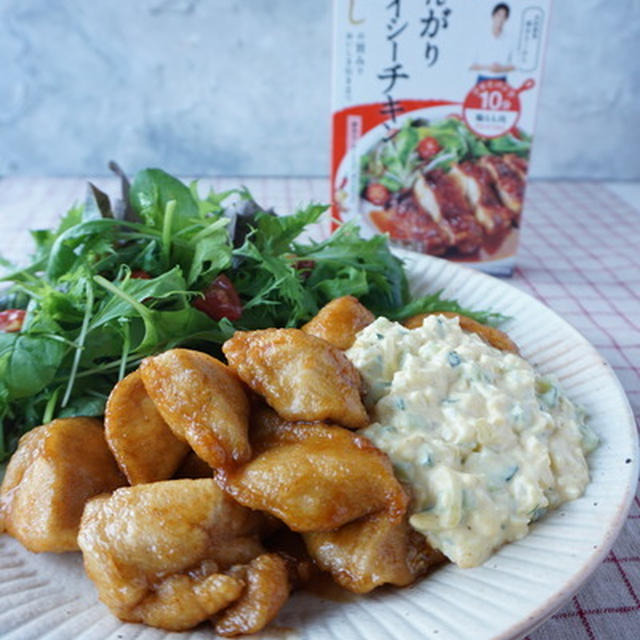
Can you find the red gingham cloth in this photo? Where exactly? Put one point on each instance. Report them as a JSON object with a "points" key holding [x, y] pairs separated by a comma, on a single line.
{"points": [[579, 254]]}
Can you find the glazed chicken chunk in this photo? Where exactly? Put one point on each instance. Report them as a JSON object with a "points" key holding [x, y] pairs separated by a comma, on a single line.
{"points": [[267, 589], [202, 401], [170, 554], [302, 377], [339, 321], [144, 446], [55, 470], [314, 477], [372, 551]]}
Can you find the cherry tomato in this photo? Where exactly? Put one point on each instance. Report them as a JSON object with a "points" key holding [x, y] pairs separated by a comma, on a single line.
{"points": [[427, 148], [305, 267], [140, 274], [220, 300], [11, 320], [376, 193]]}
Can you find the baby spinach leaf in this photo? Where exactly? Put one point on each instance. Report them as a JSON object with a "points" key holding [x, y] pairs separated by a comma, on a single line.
{"points": [[4, 402], [153, 189], [64, 257], [105, 343], [89, 398], [189, 326], [29, 361], [90, 406]]}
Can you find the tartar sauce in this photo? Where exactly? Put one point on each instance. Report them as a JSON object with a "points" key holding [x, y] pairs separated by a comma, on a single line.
{"points": [[487, 445]]}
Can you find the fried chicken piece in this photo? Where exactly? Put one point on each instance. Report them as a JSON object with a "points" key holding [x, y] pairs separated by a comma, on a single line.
{"points": [[507, 182], [267, 580], [202, 401], [444, 199], [314, 477], [495, 337], [407, 222], [55, 470], [144, 446], [476, 183], [181, 602], [372, 551], [302, 377], [339, 321], [518, 164], [157, 552]]}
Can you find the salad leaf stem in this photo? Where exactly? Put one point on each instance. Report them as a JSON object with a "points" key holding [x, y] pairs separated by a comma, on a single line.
{"points": [[80, 343], [57, 338], [131, 361], [116, 291], [126, 345], [208, 230], [167, 225], [51, 406], [151, 335]]}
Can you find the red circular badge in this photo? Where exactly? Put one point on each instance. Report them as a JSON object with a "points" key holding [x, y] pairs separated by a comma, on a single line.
{"points": [[492, 107]]}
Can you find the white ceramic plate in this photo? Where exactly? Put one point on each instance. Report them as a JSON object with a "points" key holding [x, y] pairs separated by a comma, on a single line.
{"points": [[48, 597]]}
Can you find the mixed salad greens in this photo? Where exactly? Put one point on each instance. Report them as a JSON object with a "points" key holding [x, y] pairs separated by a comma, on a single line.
{"points": [[116, 282], [423, 145]]}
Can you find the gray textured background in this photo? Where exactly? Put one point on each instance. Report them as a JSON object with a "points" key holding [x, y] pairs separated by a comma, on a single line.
{"points": [[241, 87]]}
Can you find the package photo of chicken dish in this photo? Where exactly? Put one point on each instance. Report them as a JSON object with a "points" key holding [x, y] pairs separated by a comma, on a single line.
{"points": [[433, 111]]}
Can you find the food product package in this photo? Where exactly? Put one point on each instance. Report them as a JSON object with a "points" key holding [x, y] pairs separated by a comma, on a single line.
{"points": [[433, 111]]}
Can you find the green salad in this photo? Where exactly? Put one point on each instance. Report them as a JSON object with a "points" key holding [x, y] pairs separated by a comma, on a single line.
{"points": [[164, 266], [422, 145]]}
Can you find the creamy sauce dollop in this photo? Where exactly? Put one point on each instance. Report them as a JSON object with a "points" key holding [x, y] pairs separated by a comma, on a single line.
{"points": [[487, 445]]}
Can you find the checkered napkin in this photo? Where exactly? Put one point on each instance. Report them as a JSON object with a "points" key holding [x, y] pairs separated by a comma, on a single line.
{"points": [[579, 254]]}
